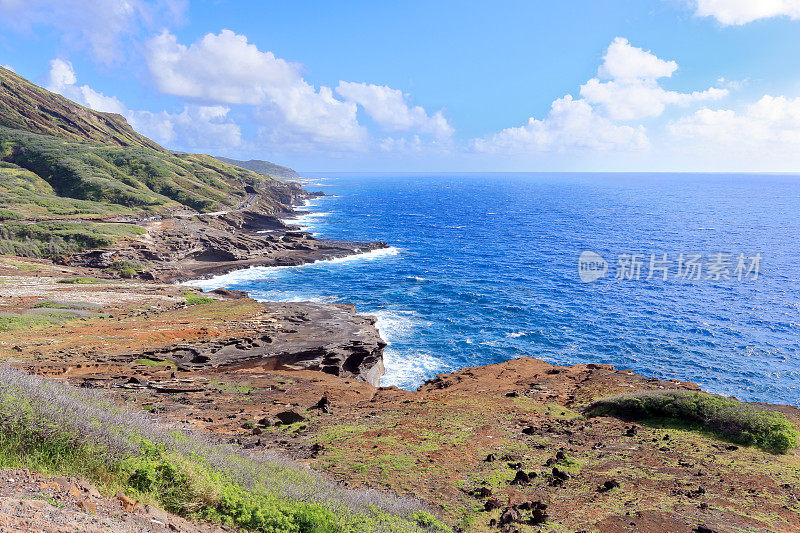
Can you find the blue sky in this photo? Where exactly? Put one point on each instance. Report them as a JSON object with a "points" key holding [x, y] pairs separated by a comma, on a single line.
{"points": [[636, 85]]}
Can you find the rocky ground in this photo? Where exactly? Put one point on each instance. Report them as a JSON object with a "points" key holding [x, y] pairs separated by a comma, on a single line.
{"points": [[503, 446], [82, 325], [192, 247], [31, 502]]}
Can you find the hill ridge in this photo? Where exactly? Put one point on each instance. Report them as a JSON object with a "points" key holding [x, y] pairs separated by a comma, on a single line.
{"points": [[26, 106], [265, 168]]}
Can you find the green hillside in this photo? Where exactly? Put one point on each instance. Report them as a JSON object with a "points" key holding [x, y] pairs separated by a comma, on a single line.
{"points": [[263, 167], [139, 179], [62, 161], [92, 164], [28, 107]]}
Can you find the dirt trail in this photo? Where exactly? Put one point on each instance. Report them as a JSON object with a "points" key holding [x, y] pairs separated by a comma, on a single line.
{"points": [[30, 502]]}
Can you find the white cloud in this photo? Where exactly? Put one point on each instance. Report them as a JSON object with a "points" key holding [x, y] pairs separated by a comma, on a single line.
{"points": [[99, 26], [315, 116], [734, 85], [62, 80], [626, 89], [389, 108], [9, 67], [767, 127], [195, 127], [635, 99], [226, 69], [633, 91], [199, 127], [739, 12], [569, 126], [624, 61], [222, 68]]}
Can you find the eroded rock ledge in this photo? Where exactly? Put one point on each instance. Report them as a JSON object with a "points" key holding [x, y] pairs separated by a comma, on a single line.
{"points": [[108, 325], [181, 249], [330, 338]]}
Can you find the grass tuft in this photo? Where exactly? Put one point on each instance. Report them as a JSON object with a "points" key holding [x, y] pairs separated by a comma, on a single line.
{"points": [[81, 281], [54, 428], [733, 420], [193, 298]]}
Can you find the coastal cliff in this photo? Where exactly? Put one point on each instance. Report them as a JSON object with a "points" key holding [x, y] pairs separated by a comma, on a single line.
{"points": [[99, 223], [510, 446], [83, 189]]}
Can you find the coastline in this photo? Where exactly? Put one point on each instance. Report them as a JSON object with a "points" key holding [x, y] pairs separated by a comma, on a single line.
{"points": [[113, 362], [260, 234], [329, 250], [199, 361]]}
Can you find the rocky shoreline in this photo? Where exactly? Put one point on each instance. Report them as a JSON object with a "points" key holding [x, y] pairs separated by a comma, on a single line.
{"points": [[499, 447], [478, 444], [176, 249], [193, 246]]}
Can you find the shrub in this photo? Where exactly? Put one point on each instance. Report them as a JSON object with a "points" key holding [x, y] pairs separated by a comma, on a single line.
{"points": [[124, 269], [193, 298], [55, 428], [80, 281], [734, 420]]}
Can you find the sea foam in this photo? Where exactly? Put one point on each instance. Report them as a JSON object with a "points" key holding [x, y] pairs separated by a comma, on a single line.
{"points": [[264, 272], [406, 369]]}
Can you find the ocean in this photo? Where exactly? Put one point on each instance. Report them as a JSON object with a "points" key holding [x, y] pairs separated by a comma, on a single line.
{"points": [[568, 268]]}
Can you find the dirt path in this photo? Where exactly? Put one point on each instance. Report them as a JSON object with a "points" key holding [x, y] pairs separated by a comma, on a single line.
{"points": [[30, 502]]}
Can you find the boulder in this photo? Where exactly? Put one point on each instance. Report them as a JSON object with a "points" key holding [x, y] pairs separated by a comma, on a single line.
{"points": [[290, 417], [491, 504], [521, 478], [509, 516]]}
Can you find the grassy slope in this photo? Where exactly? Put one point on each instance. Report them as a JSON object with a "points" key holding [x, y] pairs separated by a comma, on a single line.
{"points": [[57, 429], [60, 160], [25, 106], [97, 157], [134, 180], [729, 418], [263, 167], [23, 194]]}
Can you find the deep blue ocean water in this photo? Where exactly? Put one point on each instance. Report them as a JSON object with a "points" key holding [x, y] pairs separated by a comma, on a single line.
{"points": [[484, 268]]}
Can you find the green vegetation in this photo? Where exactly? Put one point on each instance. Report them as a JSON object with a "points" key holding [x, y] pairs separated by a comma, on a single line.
{"points": [[733, 420], [193, 298], [62, 161], [53, 238], [225, 386], [23, 194], [28, 107], [57, 429], [82, 178], [81, 281], [14, 322], [154, 362], [50, 304], [125, 269]]}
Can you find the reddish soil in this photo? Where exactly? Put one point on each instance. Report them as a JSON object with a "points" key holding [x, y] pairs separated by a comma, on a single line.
{"points": [[31, 502], [459, 443]]}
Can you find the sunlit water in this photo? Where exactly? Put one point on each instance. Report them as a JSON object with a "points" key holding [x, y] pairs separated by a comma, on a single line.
{"points": [[484, 268]]}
